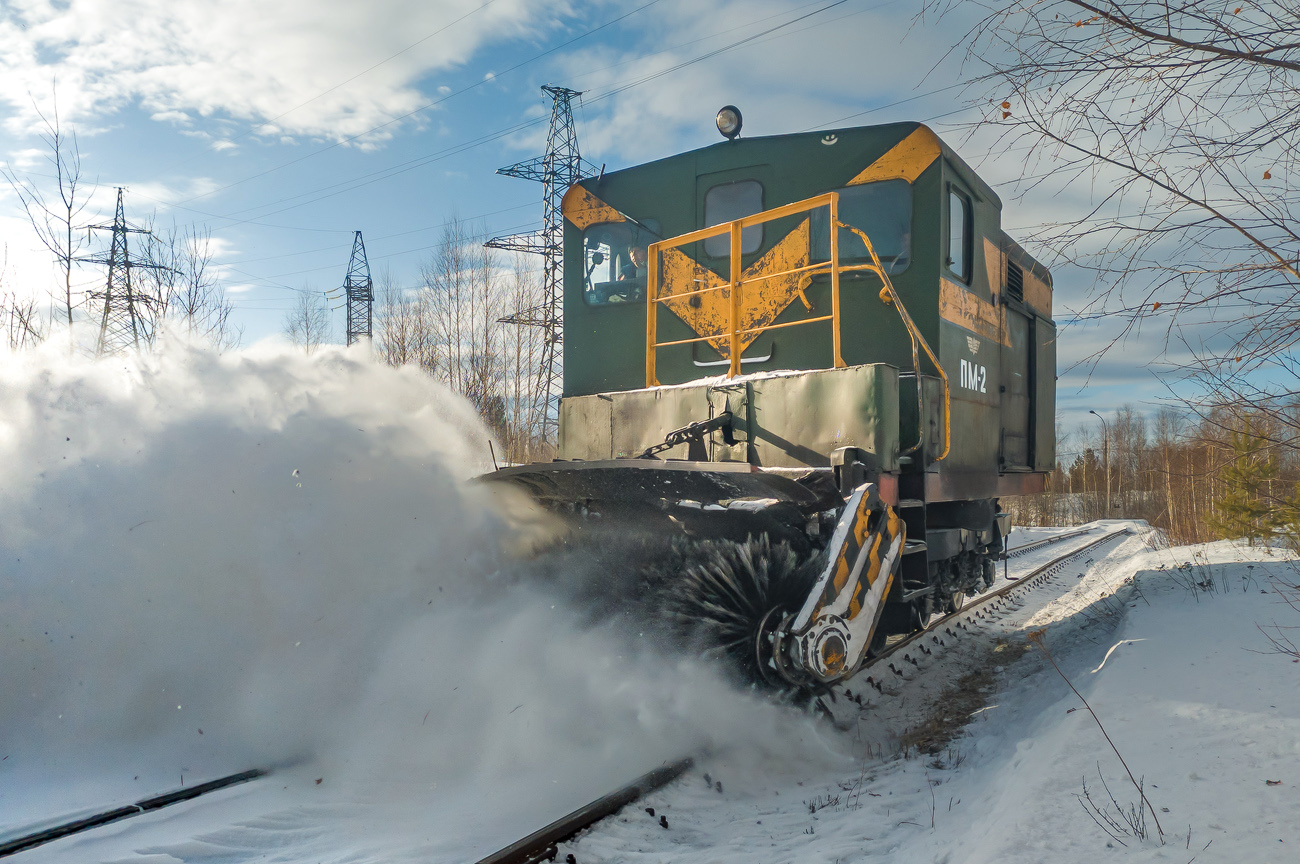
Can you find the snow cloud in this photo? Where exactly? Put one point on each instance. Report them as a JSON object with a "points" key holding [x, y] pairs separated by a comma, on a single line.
{"points": [[281, 552]]}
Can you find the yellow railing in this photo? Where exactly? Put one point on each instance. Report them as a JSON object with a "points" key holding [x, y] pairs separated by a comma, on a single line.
{"points": [[737, 284]]}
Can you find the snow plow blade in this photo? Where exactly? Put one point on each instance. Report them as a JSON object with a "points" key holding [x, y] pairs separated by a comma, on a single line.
{"points": [[706, 500]]}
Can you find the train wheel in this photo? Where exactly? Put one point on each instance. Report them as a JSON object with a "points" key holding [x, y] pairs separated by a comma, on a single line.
{"points": [[953, 602], [921, 610], [879, 639]]}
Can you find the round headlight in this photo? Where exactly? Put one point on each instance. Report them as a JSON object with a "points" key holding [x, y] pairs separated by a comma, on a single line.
{"points": [[729, 121]]}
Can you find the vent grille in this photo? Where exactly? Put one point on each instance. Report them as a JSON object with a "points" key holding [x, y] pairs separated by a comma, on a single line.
{"points": [[1015, 281]]}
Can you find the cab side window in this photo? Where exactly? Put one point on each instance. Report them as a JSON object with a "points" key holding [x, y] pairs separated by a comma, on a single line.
{"points": [[615, 261], [959, 235], [731, 201]]}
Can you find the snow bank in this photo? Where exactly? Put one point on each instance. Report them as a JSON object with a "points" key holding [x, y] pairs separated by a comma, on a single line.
{"points": [[210, 563], [1189, 692]]}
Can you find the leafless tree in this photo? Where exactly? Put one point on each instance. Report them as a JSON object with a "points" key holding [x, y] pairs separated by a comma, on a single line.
{"points": [[449, 327], [463, 292], [1183, 122], [19, 316], [21, 320], [461, 281], [307, 324], [522, 348], [403, 333], [189, 295], [54, 214]]}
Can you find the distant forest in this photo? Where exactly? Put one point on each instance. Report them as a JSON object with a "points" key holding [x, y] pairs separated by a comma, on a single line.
{"points": [[1225, 472]]}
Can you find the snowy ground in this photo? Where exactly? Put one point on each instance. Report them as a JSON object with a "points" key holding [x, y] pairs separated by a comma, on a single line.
{"points": [[1209, 725], [416, 705]]}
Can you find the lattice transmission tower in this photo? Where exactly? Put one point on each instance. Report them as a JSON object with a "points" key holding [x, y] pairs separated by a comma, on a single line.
{"points": [[360, 293], [559, 168], [128, 314]]}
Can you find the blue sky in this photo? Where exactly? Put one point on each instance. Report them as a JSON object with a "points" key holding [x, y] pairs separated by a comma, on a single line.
{"points": [[284, 127]]}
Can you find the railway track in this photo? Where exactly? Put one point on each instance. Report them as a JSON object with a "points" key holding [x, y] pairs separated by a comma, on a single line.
{"points": [[974, 610], [1048, 541], [147, 805], [543, 845]]}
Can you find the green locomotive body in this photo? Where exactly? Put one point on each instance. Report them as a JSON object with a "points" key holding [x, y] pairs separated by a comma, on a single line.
{"points": [[888, 334]]}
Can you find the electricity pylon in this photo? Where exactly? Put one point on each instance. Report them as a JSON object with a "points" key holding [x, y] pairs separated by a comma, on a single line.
{"points": [[128, 314], [559, 168], [360, 293]]}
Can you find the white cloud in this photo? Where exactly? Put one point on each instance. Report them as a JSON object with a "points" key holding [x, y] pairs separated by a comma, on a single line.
{"points": [[26, 267], [161, 195], [25, 160], [244, 59], [178, 117]]}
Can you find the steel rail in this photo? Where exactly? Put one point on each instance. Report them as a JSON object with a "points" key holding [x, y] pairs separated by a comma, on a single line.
{"points": [[1046, 541], [975, 603], [37, 838], [541, 845]]}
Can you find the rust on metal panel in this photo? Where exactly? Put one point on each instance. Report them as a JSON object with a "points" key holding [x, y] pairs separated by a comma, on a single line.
{"points": [[709, 313], [905, 160], [584, 209], [961, 307], [996, 266], [1038, 295]]}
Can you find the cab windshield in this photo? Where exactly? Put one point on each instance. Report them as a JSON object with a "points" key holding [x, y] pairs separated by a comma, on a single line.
{"points": [[614, 255], [881, 210]]}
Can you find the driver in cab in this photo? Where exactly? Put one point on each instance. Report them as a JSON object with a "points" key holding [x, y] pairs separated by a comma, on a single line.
{"points": [[635, 269]]}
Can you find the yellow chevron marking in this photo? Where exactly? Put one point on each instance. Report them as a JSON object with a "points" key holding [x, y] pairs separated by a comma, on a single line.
{"points": [[584, 209], [868, 578], [905, 160], [760, 303], [710, 314]]}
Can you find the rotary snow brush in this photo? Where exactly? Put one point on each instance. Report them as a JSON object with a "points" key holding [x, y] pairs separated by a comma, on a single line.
{"points": [[723, 560], [796, 624]]}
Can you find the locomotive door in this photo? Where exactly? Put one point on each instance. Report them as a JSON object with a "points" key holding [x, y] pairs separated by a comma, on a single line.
{"points": [[1017, 392]]}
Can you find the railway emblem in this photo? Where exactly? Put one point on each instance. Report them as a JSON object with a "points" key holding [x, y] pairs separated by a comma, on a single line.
{"points": [[973, 344], [828, 140]]}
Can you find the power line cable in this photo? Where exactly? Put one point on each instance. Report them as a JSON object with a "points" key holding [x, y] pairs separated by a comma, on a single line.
{"points": [[387, 236], [455, 149], [679, 66]]}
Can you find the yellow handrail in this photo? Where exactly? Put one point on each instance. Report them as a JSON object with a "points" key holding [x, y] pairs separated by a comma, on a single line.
{"points": [[888, 294], [737, 282]]}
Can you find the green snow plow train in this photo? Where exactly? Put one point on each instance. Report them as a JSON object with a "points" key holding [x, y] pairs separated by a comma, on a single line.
{"points": [[810, 354]]}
